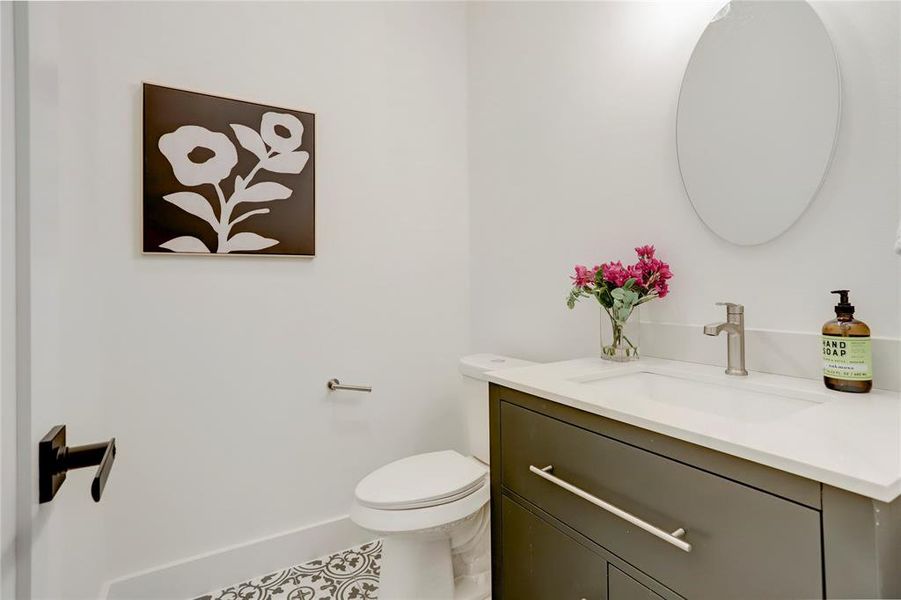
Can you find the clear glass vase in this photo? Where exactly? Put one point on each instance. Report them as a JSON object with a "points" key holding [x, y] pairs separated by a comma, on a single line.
{"points": [[620, 339]]}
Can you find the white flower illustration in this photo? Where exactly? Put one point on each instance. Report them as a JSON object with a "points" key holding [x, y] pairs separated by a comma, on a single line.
{"points": [[178, 145], [281, 157], [276, 141]]}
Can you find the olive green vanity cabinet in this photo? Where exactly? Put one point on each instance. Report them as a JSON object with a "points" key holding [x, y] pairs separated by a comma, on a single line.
{"points": [[542, 562], [623, 587], [589, 508]]}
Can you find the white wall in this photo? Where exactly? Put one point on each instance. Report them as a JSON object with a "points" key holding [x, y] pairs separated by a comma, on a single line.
{"points": [[560, 128], [211, 372], [572, 160]]}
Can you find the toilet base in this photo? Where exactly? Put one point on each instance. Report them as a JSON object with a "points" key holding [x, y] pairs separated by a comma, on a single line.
{"points": [[452, 562], [416, 569]]}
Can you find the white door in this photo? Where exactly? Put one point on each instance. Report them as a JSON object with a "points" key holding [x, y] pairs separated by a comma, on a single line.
{"points": [[59, 546]]}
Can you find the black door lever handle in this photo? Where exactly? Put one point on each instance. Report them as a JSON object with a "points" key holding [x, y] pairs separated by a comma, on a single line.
{"points": [[106, 463], [55, 458]]}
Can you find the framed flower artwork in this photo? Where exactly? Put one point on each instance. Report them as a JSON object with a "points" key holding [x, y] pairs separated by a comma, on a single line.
{"points": [[224, 176]]}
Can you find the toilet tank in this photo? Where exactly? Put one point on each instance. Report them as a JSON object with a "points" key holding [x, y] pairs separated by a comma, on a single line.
{"points": [[474, 395]]}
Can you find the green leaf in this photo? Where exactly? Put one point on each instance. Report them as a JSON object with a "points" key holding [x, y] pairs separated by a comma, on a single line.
{"points": [[604, 297], [618, 293], [629, 283], [574, 295]]}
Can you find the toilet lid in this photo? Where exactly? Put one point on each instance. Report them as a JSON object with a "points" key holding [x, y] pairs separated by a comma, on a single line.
{"points": [[422, 480]]}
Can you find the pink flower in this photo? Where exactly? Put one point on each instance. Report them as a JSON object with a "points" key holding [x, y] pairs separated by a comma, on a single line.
{"points": [[615, 273], [651, 275], [664, 271], [637, 271], [655, 272], [584, 276]]}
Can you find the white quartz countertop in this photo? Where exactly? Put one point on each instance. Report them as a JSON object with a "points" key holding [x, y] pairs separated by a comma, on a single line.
{"points": [[849, 441]]}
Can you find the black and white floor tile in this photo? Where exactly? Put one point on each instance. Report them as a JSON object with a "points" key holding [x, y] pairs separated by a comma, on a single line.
{"points": [[351, 574]]}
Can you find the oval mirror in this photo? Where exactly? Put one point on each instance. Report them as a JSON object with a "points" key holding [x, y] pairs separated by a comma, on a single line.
{"points": [[757, 118]]}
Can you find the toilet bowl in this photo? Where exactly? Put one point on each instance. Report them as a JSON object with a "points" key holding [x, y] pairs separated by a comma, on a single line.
{"points": [[431, 509]]}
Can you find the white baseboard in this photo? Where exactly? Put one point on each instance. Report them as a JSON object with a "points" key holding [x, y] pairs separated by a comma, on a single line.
{"points": [[198, 575], [796, 354]]}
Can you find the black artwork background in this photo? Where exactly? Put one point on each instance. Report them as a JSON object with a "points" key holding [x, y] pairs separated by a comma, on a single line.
{"points": [[292, 221]]}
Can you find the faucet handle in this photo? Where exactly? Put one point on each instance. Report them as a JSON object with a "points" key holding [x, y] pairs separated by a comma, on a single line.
{"points": [[732, 308]]}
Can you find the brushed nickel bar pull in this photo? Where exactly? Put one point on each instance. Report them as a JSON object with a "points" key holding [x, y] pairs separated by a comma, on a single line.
{"points": [[334, 384], [673, 538]]}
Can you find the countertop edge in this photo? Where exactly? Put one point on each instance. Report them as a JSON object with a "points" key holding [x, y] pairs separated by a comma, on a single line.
{"points": [[881, 492]]}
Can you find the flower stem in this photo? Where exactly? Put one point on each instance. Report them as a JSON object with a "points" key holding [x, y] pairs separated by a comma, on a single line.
{"points": [[247, 215], [224, 216], [250, 176], [226, 206]]}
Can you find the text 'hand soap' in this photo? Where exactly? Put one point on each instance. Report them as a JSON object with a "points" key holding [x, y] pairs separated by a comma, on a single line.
{"points": [[847, 353]]}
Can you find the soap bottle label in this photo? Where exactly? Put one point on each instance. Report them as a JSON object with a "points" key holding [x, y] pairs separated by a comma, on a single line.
{"points": [[847, 358]]}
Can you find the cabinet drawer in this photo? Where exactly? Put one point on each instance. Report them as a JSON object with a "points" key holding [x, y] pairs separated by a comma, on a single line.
{"points": [[622, 587], [745, 543], [541, 563]]}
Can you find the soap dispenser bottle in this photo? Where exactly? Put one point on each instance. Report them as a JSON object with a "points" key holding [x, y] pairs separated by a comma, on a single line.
{"points": [[847, 354]]}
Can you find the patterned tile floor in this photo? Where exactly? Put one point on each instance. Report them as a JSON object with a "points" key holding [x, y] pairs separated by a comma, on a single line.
{"points": [[351, 574]]}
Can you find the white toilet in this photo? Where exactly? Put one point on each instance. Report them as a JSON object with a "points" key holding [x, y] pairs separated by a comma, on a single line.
{"points": [[432, 509]]}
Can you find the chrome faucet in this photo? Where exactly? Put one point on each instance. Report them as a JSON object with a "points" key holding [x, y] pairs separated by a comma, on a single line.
{"points": [[735, 329]]}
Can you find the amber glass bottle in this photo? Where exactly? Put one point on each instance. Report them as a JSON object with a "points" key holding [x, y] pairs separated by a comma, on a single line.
{"points": [[847, 355]]}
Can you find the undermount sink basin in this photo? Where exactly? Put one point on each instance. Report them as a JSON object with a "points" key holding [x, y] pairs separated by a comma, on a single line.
{"points": [[738, 399]]}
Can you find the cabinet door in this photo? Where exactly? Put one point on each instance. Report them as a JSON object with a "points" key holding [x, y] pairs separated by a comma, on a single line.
{"points": [[622, 587], [745, 543], [542, 563]]}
